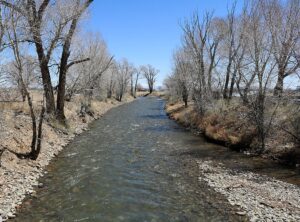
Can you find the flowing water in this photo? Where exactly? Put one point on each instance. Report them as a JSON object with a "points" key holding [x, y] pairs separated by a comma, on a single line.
{"points": [[134, 164]]}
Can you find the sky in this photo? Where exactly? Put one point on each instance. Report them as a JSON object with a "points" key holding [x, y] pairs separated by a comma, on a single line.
{"points": [[146, 31]]}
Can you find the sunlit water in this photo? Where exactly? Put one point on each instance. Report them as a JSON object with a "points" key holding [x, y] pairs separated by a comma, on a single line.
{"points": [[135, 164]]}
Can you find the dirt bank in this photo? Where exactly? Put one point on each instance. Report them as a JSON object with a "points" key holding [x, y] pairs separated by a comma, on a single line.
{"points": [[230, 127], [20, 177]]}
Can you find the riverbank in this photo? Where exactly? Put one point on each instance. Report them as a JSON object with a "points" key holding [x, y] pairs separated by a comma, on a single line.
{"points": [[261, 198], [230, 127], [19, 177], [258, 197]]}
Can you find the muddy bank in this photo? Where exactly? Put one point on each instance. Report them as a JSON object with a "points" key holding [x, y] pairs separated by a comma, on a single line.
{"points": [[19, 178]]}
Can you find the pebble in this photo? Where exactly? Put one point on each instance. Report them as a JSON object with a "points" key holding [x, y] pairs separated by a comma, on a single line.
{"points": [[11, 215], [258, 197], [241, 213]]}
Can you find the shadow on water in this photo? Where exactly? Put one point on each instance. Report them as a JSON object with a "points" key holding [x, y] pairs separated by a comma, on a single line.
{"points": [[135, 164]]}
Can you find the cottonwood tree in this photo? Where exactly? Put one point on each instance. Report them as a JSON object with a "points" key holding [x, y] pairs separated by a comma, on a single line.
{"points": [[282, 19], [50, 24], [260, 52], [150, 74], [124, 71], [134, 79], [111, 80], [231, 48], [87, 76], [65, 64], [182, 70], [242, 76], [137, 78], [22, 66], [171, 86], [30, 75], [196, 41]]}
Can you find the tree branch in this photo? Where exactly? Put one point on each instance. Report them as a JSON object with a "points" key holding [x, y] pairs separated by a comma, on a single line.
{"points": [[77, 62], [42, 9], [12, 6]]}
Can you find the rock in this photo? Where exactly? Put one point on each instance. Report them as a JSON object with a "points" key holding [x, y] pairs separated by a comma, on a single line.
{"points": [[241, 213], [41, 185], [11, 215]]}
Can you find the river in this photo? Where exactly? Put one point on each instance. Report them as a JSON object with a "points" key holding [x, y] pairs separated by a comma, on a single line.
{"points": [[135, 164]]}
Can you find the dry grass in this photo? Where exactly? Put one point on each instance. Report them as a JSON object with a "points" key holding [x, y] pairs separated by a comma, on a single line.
{"points": [[221, 123], [16, 125], [230, 124]]}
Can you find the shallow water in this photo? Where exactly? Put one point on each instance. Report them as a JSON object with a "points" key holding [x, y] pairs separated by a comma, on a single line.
{"points": [[135, 164]]}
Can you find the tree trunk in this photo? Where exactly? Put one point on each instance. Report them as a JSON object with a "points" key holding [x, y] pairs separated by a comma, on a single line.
{"points": [[43, 62], [225, 92], [48, 89], [60, 103], [232, 84], [36, 142], [109, 94], [278, 90], [39, 136]]}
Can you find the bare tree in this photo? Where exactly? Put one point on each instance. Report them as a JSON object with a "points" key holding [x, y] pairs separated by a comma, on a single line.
{"points": [[87, 76], [150, 74], [262, 65], [65, 64], [230, 34], [283, 24], [134, 79], [181, 73], [111, 80], [124, 71], [44, 17], [20, 70], [196, 42]]}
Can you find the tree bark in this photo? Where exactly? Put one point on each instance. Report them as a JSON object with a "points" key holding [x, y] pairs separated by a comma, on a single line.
{"points": [[225, 92], [232, 84], [47, 84], [278, 90]]}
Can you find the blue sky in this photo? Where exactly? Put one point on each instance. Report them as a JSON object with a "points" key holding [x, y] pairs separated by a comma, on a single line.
{"points": [[146, 31]]}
